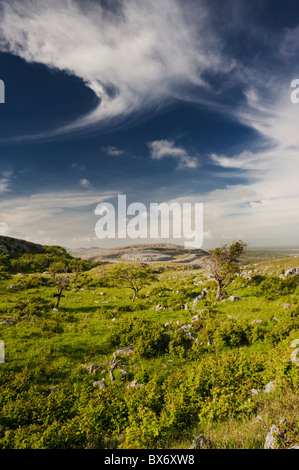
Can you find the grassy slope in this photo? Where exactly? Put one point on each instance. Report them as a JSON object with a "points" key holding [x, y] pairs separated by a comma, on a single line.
{"points": [[54, 349]]}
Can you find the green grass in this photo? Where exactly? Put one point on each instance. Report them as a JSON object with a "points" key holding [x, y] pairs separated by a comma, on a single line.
{"points": [[189, 387]]}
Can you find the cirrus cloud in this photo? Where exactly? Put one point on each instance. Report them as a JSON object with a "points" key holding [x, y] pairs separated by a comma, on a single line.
{"points": [[133, 57]]}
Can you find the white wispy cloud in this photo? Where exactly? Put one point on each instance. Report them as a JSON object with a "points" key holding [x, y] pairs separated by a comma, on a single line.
{"points": [[133, 58], [85, 183], [113, 151], [5, 180], [4, 185], [53, 216], [167, 148], [266, 207]]}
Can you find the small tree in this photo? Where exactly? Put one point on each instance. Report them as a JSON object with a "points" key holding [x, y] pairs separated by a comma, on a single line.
{"points": [[134, 276], [76, 266], [60, 278], [222, 264]]}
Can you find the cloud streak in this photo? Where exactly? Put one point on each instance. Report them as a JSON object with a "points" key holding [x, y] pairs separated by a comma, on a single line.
{"points": [[51, 216], [137, 56]]}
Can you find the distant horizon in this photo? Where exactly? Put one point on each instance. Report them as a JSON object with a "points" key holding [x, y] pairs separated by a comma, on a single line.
{"points": [[148, 243]]}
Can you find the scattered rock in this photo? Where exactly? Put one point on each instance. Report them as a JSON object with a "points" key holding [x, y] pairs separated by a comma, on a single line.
{"points": [[232, 298], [201, 296], [100, 384], [288, 306], [190, 335], [55, 310], [290, 272], [258, 418], [295, 343], [255, 391], [195, 318], [295, 353], [159, 307], [270, 387], [187, 326], [124, 351], [134, 384], [270, 442], [92, 369], [256, 321], [7, 321], [198, 442]]}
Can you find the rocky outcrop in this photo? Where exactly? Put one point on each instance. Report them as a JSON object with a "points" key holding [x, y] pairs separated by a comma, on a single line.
{"points": [[289, 272], [150, 257]]}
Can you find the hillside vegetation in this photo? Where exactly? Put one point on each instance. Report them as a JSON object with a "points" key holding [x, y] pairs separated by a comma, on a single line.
{"points": [[227, 370]]}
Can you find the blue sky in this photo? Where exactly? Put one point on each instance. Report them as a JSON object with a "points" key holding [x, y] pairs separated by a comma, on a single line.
{"points": [[185, 101]]}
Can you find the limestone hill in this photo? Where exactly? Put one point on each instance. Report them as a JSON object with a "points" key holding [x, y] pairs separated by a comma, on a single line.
{"points": [[9, 245], [150, 253]]}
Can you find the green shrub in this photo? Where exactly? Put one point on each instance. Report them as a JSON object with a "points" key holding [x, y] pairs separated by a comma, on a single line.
{"points": [[147, 337], [273, 287], [34, 306], [180, 343], [232, 333], [143, 430]]}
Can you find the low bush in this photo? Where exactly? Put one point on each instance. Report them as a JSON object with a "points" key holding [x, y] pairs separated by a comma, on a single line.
{"points": [[233, 333], [147, 337], [273, 287]]}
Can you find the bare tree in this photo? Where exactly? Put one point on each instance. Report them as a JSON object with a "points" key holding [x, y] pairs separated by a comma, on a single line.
{"points": [[60, 279], [222, 264], [134, 276]]}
